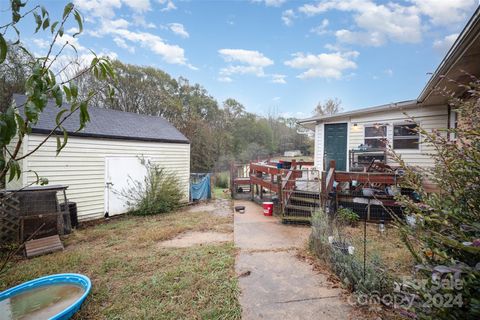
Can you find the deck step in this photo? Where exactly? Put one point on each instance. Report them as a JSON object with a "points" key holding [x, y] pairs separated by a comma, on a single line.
{"points": [[306, 194], [294, 197], [300, 208], [296, 220]]}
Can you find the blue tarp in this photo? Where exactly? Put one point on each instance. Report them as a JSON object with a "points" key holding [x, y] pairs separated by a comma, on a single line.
{"points": [[201, 190]]}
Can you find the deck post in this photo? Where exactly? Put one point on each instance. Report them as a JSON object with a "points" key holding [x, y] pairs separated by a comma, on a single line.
{"points": [[280, 191], [323, 189], [332, 164]]}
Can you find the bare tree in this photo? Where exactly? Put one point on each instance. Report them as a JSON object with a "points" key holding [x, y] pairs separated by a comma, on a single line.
{"points": [[328, 107], [14, 72]]}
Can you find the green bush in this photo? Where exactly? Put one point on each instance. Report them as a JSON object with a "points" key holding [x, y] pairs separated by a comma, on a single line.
{"points": [[159, 192], [222, 180], [349, 268], [445, 239], [347, 216]]}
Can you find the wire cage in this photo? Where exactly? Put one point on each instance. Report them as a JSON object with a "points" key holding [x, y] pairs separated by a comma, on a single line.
{"points": [[34, 212]]}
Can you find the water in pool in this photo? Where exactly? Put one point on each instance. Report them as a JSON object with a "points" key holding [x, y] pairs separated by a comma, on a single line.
{"points": [[40, 303]]}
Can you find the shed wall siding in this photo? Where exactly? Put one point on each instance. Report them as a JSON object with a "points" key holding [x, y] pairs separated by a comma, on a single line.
{"points": [[81, 166], [432, 117]]}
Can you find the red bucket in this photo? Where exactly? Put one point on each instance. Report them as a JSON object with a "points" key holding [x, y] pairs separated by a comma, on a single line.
{"points": [[267, 208]]}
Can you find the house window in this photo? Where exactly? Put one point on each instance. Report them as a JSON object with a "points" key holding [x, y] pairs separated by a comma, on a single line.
{"points": [[405, 136], [375, 136], [453, 125]]}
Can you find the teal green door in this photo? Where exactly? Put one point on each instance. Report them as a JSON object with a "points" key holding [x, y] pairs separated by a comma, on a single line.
{"points": [[336, 145]]}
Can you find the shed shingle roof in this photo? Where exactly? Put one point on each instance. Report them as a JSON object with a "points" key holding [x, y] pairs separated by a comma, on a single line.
{"points": [[110, 124]]}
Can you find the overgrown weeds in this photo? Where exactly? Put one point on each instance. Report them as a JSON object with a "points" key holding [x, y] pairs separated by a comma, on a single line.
{"points": [[332, 244], [158, 192]]}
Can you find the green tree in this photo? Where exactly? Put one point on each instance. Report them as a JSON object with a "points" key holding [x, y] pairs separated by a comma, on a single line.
{"points": [[218, 135], [14, 72]]}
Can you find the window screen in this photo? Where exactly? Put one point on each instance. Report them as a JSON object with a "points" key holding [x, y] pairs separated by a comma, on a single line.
{"points": [[375, 136], [405, 136]]}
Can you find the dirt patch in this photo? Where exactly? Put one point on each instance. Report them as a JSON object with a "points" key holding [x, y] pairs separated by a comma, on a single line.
{"points": [[189, 239], [218, 207]]}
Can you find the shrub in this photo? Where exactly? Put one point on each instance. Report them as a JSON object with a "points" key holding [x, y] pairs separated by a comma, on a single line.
{"points": [[159, 192], [347, 216], [222, 180], [445, 239], [349, 268]]}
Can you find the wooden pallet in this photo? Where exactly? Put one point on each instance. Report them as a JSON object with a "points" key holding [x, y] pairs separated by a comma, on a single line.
{"points": [[42, 246]]}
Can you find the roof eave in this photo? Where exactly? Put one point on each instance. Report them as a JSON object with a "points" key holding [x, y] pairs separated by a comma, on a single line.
{"points": [[105, 136], [455, 53], [387, 107]]}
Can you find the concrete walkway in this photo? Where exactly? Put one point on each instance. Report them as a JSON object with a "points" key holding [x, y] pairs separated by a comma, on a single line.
{"points": [[274, 283]]}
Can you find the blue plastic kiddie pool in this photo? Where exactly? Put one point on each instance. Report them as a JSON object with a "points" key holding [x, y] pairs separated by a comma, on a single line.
{"points": [[53, 297]]}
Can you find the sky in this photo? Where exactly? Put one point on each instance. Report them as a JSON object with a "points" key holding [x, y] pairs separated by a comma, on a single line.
{"points": [[274, 56]]}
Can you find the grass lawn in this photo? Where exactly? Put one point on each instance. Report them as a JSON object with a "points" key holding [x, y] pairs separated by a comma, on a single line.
{"points": [[219, 193], [135, 278]]}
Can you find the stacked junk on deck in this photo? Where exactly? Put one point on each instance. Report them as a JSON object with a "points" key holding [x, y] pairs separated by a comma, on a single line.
{"points": [[297, 190]]}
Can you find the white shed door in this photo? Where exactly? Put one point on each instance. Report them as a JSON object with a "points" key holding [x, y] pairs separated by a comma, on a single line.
{"points": [[119, 173]]}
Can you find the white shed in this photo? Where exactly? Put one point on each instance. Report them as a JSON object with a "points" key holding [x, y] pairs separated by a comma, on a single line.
{"points": [[107, 150]]}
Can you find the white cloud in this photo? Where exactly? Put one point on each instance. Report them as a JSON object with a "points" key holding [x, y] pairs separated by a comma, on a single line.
{"points": [[99, 8], [378, 23], [250, 57], [225, 79], [170, 53], [374, 39], [67, 38], [279, 78], [247, 62], [446, 12], [324, 65], [178, 29], [445, 43], [41, 43], [123, 44], [138, 5], [139, 20], [271, 3], [110, 25], [104, 12], [388, 72], [288, 16], [332, 47], [169, 5], [322, 28]]}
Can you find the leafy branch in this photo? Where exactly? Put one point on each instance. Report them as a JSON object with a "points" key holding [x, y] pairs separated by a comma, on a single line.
{"points": [[42, 86]]}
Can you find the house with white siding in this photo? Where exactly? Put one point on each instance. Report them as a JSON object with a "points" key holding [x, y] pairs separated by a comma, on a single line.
{"points": [[360, 136], [102, 159]]}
